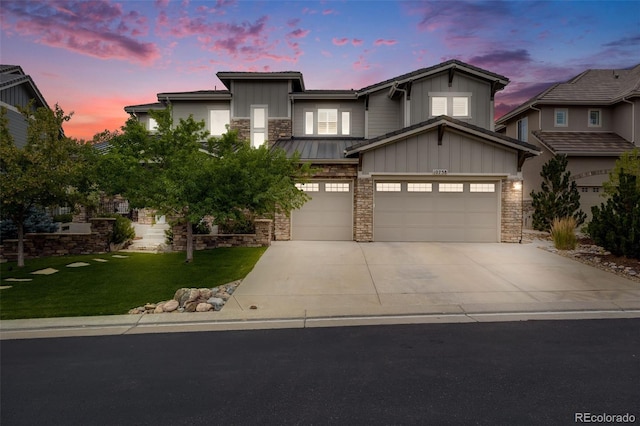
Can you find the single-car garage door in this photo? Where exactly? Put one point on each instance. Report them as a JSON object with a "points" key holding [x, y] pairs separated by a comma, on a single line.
{"points": [[436, 211], [328, 215]]}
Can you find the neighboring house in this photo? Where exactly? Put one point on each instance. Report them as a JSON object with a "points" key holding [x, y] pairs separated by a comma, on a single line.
{"points": [[413, 158], [592, 118], [16, 90]]}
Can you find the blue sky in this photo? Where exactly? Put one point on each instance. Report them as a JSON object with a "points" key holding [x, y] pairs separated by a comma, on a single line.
{"points": [[95, 57]]}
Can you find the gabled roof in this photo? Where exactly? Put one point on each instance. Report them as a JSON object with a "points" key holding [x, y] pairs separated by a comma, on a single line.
{"points": [[446, 122], [453, 64], [13, 75], [584, 143], [227, 76], [592, 87], [144, 107], [324, 149]]}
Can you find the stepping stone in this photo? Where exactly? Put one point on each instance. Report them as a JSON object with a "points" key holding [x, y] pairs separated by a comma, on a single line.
{"points": [[47, 271], [4, 287], [77, 265], [119, 256], [18, 280], [100, 260]]}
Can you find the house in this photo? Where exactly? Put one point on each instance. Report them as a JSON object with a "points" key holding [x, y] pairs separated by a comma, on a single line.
{"points": [[17, 89], [412, 158], [593, 118]]}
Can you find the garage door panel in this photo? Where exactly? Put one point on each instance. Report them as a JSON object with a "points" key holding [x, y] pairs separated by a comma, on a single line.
{"points": [[327, 216], [437, 216]]}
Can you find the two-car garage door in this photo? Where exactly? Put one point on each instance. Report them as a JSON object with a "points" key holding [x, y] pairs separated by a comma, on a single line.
{"points": [[436, 211], [448, 211]]}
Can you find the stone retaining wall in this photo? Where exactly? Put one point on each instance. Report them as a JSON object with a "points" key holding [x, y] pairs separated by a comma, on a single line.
{"points": [[58, 244], [262, 238]]}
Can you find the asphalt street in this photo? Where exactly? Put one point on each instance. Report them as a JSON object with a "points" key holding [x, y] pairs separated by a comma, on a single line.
{"points": [[535, 372]]}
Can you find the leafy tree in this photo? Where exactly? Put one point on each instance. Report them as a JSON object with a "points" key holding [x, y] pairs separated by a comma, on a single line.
{"points": [[558, 197], [616, 223], [630, 163], [43, 173], [181, 171]]}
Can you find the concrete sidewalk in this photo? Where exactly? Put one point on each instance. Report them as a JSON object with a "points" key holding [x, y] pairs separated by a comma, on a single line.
{"points": [[300, 284]]}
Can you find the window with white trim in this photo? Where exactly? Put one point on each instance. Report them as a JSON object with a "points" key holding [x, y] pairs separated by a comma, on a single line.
{"points": [[451, 187], [346, 122], [451, 104], [258, 125], [327, 121], [594, 118], [419, 187], [152, 124], [561, 117], [219, 119], [523, 129], [388, 187], [336, 187], [308, 187], [482, 187], [308, 123]]}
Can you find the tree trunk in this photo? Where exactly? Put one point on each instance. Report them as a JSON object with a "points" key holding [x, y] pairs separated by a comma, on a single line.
{"points": [[20, 244], [189, 242]]}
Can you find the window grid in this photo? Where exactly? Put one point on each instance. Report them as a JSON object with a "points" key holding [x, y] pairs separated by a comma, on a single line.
{"points": [[327, 121], [451, 187], [336, 187], [561, 117], [419, 187], [388, 187], [594, 118], [482, 187], [308, 187]]}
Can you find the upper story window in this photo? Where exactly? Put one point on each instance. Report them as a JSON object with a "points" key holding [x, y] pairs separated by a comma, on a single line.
{"points": [[152, 125], [451, 104], [594, 118], [523, 129], [219, 120], [327, 121], [258, 125], [561, 117]]}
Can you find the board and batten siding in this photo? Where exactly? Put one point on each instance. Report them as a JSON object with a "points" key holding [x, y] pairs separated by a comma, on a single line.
{"points": [[199, 110], [479, 104], [457, 154], [275, 94], [384, 115], [356, 108], [17, 128], [17, 96]]}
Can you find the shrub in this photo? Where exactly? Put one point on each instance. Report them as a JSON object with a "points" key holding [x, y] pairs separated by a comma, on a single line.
{"points": [[123, 230], [241, 225], [563, 233], [37, 222], [616, 223], [64, 218]]}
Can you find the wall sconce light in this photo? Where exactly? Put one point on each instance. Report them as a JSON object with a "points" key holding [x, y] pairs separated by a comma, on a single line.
{"points": [[517, 185]]}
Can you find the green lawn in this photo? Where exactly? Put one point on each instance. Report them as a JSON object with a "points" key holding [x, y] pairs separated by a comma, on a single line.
{"points": [[115, 286]]}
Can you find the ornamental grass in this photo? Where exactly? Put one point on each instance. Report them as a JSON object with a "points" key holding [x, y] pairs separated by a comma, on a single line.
{"points": [[563, 233]]}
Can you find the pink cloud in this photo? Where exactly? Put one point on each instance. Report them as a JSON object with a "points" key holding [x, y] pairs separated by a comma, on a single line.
{"points": [[299, 33], [383, 42], [329, 12], [356, 42], [361, 64], [340, 41], [99, 29]]}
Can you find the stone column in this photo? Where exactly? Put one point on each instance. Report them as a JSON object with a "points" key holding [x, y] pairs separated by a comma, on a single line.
{"points": [[263, 231], [511, 211], [363, 211]]}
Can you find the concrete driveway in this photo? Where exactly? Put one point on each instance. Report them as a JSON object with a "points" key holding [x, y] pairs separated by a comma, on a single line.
{"points": [[349, 278]]}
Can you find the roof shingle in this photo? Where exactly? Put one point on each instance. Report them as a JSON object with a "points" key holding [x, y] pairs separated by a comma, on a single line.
{"points": [[584, 143]]}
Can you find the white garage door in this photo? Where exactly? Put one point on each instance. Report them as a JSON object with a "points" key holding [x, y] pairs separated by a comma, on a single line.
{"points": [[436, 211], [328, 215]]}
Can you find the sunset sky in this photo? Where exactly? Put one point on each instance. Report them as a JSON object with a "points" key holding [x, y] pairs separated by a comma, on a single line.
{"points": [[95, 57]]}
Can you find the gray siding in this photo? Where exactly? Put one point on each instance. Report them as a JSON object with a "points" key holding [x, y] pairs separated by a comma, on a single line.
{"points": [[199, 110], [275, 94], [17, 96], [578, 119], [457, 154], [385, 115], [479, 105], [356, 108], [622, 121], [17, 128]]}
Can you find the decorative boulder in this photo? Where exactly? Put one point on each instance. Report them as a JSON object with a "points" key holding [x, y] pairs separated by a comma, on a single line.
{"points": [[203, 307], [170, 306]]}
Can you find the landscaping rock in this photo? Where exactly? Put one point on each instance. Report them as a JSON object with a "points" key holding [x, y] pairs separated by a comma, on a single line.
{"points": [[216, 302], [203, 307], [171, 306]]}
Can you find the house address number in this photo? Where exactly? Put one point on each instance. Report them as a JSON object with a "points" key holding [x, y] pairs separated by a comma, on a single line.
{"points": [[440, 171]]}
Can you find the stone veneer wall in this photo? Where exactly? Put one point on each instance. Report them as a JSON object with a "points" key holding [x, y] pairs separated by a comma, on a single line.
{"points": [[58, 244], [262, 238], [511, 211], [363, 214], [276, 127], [282, 223]]}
